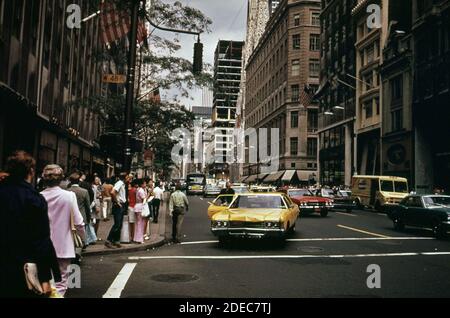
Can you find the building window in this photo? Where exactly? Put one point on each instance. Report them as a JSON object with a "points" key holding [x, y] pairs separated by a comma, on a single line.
{"points": [[369, 53], [295, 93], [314, 68], [396, 88], [294, 146], [296, 41], [314, 42], [377, 106], [294, 119], [295, 67], [315, 19], [17, 18], [296, 19], [311, 147], [312, 120], [292, 164], [368, 108], [397, 119]]}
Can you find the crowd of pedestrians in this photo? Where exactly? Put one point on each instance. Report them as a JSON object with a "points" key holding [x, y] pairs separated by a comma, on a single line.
{"points": [[50, 215]]}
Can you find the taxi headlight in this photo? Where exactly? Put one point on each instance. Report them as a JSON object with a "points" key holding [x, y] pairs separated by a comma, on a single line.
{"points": [[271, 224], [220, 223]]}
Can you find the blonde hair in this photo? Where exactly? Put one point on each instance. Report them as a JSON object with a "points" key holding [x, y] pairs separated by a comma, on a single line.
{"points": [[52, 175]]}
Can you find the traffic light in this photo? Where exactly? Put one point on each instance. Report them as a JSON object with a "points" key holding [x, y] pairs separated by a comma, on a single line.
{"points": [[198, 58]]}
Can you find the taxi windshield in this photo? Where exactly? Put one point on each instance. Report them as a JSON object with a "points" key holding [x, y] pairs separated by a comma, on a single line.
{"points": [[258, 202]]}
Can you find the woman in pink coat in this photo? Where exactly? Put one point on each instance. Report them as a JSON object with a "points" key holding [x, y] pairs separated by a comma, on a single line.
{"points": [[61, 204]]}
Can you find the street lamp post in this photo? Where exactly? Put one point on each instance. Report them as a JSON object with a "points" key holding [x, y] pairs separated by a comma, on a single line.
{"points": [[128, 130]]}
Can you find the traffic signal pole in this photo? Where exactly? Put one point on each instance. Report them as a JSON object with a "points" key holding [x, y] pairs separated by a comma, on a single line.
{"points": [[128, 129]]}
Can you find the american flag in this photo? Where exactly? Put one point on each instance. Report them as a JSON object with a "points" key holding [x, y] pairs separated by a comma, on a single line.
{"points": [[115, 24], [306, 96]]}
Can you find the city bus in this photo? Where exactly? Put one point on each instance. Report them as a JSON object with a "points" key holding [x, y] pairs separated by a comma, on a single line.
{"points": [[195, 183]]}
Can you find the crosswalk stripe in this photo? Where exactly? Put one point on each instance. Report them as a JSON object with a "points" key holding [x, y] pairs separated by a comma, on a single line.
{"points": [[117, 286]]}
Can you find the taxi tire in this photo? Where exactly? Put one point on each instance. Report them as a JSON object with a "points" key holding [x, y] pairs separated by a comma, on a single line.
{"points": [[224, 241], [324, 213], [291, 230]]}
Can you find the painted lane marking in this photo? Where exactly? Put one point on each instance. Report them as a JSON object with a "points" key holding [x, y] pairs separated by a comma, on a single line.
{"points": [[398, 238], [201, 199], [198, 242], [288, 256], [361, 239], [346, 214], [117, 286], [362, 231]]}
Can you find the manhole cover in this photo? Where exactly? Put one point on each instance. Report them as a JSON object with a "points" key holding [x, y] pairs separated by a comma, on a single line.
{"points": [[311, 249], [174, 278]]}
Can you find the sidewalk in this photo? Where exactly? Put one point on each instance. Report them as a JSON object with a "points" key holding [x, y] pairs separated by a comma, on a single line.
{"points": [[157, 235]]}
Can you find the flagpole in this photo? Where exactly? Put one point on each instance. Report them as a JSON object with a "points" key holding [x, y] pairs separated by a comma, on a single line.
{"points": [[128, 129]]}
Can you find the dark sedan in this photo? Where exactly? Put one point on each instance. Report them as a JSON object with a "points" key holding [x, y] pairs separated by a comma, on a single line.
{"points": [[425, 211], [344, 200]]}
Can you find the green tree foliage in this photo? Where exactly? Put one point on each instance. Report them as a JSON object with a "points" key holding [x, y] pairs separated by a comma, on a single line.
{"points": [[154, 120]]}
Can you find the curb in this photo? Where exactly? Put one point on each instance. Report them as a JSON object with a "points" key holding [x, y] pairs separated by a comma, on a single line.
{"points": [[141, 247]]}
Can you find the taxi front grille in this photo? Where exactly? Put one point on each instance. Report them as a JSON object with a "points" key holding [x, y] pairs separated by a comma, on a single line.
{"points": [[241, 224]]}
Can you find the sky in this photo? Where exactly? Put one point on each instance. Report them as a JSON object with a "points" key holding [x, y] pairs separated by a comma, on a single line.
{"points": [[229, 23]]}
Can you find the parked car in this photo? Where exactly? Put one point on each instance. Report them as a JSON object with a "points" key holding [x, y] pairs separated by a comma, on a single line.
{"points": [[309, 203], [256, 215], [262, 189], [344, 200], [211, 190], [425, 211], [240, 189]]}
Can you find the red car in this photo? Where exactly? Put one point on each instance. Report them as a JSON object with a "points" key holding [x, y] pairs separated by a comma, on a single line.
{"points": [[308, 203]]}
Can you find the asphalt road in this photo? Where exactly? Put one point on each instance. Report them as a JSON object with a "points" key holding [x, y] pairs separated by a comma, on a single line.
{"points": [[326, 257]]}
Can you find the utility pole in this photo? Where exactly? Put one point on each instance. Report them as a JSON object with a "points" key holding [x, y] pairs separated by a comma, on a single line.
{"points": [[128, 129]]}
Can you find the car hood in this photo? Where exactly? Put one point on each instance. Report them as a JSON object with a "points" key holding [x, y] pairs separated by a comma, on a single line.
{"points": [[253, 215], [308, 199]]}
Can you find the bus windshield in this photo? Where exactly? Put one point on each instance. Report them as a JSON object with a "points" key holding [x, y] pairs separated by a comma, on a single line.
{"points": [[196, 179]]}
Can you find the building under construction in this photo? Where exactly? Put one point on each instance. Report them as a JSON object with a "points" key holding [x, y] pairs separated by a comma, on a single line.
{"points": [[227, 78]]}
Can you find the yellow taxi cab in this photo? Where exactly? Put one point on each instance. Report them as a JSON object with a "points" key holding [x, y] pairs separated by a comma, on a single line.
{"points": [[219, 204], [255, 215]]}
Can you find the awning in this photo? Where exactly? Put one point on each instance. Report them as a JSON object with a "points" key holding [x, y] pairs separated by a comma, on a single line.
{"points": [[242, 179], [289, 174], [273, 177], [306, 175], [254, 178]]}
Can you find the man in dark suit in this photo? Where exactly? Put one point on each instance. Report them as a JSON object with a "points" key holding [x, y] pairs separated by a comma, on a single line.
{"points": [[25, 232], [82, 195]]}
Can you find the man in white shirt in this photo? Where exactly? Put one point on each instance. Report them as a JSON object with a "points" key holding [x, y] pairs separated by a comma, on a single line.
{"points": [[156, 202], [119, 199]]}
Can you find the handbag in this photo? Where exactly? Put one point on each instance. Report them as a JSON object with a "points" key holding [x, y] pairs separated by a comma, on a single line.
{"points": [[77, 240], [31, 278], [145, 209]]}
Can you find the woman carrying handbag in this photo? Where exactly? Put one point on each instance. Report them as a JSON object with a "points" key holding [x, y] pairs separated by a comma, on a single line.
{"points": [[62, 205]]}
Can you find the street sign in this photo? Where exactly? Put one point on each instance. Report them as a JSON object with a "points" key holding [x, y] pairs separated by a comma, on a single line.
{"points": [[114, 78]]}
